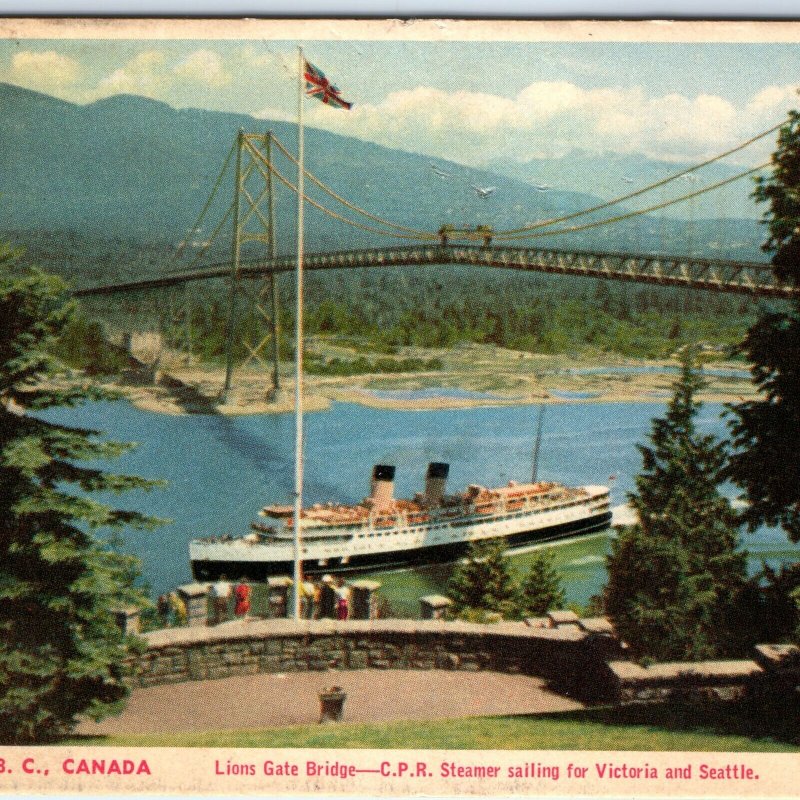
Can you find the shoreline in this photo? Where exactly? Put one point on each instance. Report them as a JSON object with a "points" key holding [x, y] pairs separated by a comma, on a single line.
{"points": [[487, 378], [153, 402]]}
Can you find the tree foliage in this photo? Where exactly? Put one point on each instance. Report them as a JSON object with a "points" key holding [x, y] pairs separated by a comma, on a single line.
{"points": [[541, 588], [676, 576], [407, 307], [769, 610], [83, 345], [484, 581], [61, 651], [766, 431]]}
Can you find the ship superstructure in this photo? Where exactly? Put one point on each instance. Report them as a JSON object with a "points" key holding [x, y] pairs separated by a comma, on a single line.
{"points": [[383, 531]]}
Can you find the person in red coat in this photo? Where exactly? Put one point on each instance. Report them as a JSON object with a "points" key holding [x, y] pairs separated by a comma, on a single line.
{"points": [[241, 595]]}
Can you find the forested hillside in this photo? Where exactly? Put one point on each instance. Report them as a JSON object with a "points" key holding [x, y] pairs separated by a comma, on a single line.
{"points": [[380, 312]]}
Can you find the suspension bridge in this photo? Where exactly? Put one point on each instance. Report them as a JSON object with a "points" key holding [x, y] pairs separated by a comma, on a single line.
{"points": [[718, 275], [255, 161]]}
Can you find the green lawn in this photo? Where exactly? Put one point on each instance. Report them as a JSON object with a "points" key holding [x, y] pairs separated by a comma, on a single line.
{"points": [[721, 728]]}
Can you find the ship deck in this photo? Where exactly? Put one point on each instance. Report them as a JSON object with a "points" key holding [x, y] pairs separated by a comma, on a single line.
{"points": [[477, 501]]}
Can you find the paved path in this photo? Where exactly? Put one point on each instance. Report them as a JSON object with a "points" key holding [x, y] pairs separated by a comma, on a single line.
{"points": [[268, 700]]}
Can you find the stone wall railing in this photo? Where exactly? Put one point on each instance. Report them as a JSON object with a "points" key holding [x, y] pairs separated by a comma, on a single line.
{"points": [[775, 667], [568, 655], [578, 657]]}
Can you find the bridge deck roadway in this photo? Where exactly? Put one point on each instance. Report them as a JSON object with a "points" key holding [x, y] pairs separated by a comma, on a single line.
{"points": [[717, 275]]}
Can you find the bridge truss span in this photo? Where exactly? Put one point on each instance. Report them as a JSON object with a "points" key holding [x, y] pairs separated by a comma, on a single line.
{"points": [[736, 277], [355, 259], [717, 275]]}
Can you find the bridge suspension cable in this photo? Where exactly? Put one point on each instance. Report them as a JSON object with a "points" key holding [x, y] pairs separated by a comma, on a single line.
{"points": [[644, 190], [211, 196], [325, 210], [207, 244], [630, 214], [347, 203], [398, 231]]}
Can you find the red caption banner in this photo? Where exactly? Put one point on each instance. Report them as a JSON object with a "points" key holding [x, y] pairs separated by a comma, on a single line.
{"points": [[37, 770]]}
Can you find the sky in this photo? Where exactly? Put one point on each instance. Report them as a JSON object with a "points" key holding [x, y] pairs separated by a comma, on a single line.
{"points": [[470, 102]]}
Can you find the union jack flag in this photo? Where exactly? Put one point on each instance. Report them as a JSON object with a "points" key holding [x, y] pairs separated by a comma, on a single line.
{"points": [[317, 85]]}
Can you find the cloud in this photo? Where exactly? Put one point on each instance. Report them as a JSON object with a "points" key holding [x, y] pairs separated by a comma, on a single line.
{"points": [[276, 114], [773, 101], [151, 74], [694, 126], [46, 70], [205, 67], [545, 119], [285, 62], [144, 74]]}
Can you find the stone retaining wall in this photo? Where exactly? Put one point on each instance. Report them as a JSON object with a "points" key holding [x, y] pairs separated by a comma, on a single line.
{"points": [[579, 657], [709, 680], [569, 656], [773, 668]]}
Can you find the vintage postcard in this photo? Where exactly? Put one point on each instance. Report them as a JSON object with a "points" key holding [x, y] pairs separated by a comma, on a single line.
{"points": [[403, 408]]}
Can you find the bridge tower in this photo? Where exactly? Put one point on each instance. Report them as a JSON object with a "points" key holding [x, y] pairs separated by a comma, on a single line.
{"points": [[253, 221]]}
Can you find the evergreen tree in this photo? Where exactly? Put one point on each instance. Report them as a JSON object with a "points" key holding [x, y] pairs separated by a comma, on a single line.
{"points": [[675, 577], [60, 650], [541, 589], [484, 581], [766, 431], [770, 606]]}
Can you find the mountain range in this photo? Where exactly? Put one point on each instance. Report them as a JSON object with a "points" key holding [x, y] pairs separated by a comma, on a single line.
{"points": [[137, 170], [613, 175]]}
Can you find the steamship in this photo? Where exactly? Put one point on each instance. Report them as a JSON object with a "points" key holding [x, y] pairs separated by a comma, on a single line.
{"points": [[386, 532]]}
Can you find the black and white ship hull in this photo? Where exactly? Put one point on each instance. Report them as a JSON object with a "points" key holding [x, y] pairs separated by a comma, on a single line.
{"points": [[362, 549]]}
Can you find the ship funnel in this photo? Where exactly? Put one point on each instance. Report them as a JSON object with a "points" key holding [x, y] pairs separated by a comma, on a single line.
{"points": [[435, 480], [382, 488]]}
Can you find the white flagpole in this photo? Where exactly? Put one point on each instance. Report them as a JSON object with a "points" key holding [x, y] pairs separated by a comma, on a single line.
{"points": [[298, 391]]}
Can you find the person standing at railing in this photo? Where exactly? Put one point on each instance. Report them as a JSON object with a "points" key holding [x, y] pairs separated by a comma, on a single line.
{"points": [[316, 612], [163, 608], [221, 593], [180, 613], [241, 595], [342, 600]]}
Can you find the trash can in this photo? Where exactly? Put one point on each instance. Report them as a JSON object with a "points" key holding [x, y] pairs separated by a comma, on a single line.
{"points": [[331, 704]]}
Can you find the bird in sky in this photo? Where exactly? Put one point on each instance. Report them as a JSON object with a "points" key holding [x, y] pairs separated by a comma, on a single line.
{"points": [[484, 193]]}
